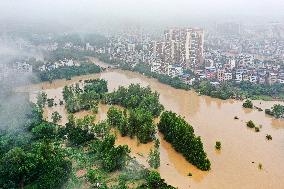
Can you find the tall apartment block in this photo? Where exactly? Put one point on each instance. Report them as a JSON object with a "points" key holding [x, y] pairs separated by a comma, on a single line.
{"points": [[184, 46]]}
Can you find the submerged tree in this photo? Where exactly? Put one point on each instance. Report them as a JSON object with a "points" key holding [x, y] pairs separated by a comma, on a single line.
{"points": [[248, 104], [181, 135], [154, 156], [55, 116]]}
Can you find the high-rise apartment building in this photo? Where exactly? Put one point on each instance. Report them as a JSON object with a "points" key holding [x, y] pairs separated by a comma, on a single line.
{"points": [[184, 46]]}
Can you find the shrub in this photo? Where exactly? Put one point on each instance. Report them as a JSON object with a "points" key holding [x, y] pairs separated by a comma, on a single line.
{"points": [[256, 129], [268, 137], [250, 124], [248, 104], [218, 145]]}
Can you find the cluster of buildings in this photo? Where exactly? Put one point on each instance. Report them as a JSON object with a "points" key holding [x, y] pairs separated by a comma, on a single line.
{"points": [[231, 52], [183, 49], [178, 49], [47, 66], [242, 67], [6, 70]]}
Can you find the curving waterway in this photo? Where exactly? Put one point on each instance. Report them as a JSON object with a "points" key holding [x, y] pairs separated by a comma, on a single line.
{"points": [[234, 167]]}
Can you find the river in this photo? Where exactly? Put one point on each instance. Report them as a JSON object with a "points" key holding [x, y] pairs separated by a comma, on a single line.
{"points": [[234, 167]]}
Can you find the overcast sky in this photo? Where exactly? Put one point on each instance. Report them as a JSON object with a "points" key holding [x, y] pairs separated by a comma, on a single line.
{"points": [[155, 11]]}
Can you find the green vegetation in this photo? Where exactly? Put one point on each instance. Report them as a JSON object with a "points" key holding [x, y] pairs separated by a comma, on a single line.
{"points": [[181, 135], [41, 99], [268, 137], [55, 116], [77, 99], [224, 91], [67, 72], [250, 124], [79, 131], [136, 97], [248, 104], [112, 158], [240, 90], [256, 129], [50, 102], [36, 162], [43, 158], [154, 181], [139, 123], [260, 166], [118, 119], [154, 156], [218, 145], [277, 111]]}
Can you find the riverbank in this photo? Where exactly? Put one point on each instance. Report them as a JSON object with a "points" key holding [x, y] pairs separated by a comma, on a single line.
{"points": [[224, 92]]}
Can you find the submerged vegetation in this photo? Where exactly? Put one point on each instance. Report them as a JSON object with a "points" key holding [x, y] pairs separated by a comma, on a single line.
{"points": [[154, 156], [240, 90], [139, 123], [79, 98], [136, 97], [276, 111], [181, 135], [248, 104], [250, 124], [53, 156], [218, 145]]}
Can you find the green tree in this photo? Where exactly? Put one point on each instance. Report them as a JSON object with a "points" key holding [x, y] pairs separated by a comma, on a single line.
{"points": [[16, 168], [79, 131], [55, 116], [154, 156], [41, 99], [154, 181], [50, 102], [248, 104], [181, 135], [112, 158], [250, 124], [44, 130], [218, 145], [140, 123], [278, 110], [117, 119]]}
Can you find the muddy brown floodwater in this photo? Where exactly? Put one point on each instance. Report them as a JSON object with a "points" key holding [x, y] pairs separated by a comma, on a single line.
{"points": [[213, 120]]}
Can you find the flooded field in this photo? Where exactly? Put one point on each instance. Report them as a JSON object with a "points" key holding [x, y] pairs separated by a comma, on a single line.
{"points": [[234, 167]]}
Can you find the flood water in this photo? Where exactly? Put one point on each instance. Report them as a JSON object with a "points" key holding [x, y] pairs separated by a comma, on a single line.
{"points": [[213, 120]]}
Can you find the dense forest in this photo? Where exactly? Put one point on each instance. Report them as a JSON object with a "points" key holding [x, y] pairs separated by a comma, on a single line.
{"points": [[67, 72], [134, 97], [52, 156]]}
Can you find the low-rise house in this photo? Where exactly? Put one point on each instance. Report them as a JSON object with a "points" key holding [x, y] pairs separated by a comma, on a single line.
{"points": [[228, 76], [174, 70], [272, 78]]}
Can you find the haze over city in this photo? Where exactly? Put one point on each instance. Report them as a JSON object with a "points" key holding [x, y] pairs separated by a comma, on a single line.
{"points": [[141, 94]]}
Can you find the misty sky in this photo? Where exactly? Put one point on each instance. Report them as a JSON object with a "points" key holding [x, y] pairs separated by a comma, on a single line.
{"points": [[170, 12], [139, 8]]}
